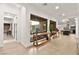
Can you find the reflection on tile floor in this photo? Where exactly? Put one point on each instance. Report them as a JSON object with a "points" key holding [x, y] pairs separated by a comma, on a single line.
{"points": [[63, 45]]}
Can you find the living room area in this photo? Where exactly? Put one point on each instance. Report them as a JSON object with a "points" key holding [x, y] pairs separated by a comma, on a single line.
{"points": [[40, 31]]}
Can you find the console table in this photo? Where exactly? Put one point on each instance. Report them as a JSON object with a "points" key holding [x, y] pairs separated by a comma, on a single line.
{"points": [[39, 36]]}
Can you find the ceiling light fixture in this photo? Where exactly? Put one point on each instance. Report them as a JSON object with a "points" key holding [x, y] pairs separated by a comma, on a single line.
{"points": [[63, 14], [57, 7]]}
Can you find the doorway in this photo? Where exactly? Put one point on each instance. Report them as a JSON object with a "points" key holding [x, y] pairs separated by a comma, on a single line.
{"points": [[10, 30]]}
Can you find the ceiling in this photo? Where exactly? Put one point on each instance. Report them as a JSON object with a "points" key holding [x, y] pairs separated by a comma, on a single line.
{"points": [[68, 9]]}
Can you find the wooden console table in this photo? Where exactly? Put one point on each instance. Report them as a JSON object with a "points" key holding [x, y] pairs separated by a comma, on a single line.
{"points": [[39, 36]]}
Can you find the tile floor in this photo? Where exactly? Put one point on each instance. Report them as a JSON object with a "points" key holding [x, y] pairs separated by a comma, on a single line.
{"points": [[63, 45]]}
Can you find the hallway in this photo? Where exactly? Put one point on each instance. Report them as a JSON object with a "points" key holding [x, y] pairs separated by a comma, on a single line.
{"points": [[63, 45]]}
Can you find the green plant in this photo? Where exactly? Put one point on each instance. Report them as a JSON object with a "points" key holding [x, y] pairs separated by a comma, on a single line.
{"points": [[52, 27]]}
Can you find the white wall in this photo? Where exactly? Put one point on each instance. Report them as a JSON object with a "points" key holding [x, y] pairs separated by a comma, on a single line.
{"points": [[58, 24], [77, 27], [21, 18], [10, 10], [1, 29], [25, 27]]}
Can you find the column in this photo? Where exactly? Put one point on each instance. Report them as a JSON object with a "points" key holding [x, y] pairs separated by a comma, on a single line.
{"points": [[77, 27], [1, 30], [25, 27]]}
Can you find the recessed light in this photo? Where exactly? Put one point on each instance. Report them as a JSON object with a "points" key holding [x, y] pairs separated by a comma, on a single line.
{"points": [[63, 14], [63, 20], [57, 7]]}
